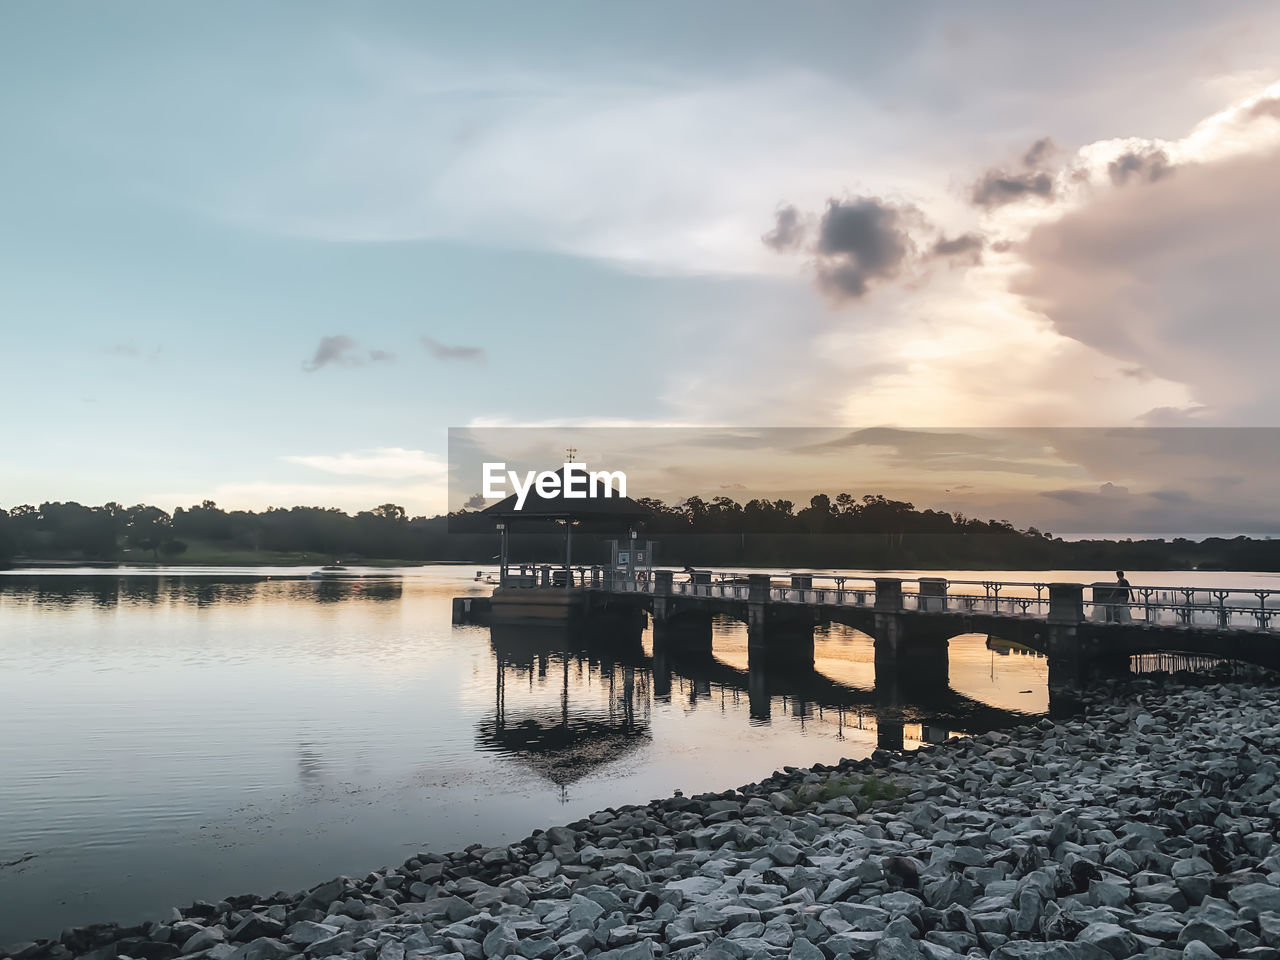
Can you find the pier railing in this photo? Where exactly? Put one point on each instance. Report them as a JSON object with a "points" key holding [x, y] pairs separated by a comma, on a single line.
{"points": [[1156, 605]]}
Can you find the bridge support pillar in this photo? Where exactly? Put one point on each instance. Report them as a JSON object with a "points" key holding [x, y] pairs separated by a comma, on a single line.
{"points": [[1077, 658], [888, 594], [933, 594], [892, 664], [682, 630], [1066, 602], [778, 634], [911, 666]]}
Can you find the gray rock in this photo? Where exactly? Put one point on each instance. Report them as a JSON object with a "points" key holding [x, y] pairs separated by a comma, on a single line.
{"points": [[1111, 937], [1207, 933], [204, 939], [1262, 897], [636, 951], [331, 946], [264, 948], [1197, 950], [308, 932], [894, 948]]}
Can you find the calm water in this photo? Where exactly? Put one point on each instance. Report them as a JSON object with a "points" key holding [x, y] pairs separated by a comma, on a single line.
{"points": [[199, 733]]}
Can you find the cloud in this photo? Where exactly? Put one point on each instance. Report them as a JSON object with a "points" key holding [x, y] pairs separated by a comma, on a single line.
{"points": [[388, 463], [1171, 495], [1150, 165], [1038, 152], [1178, 279], [788, 230], [130, 349], [342, 351], [442, 352], [1171, 416], [966, 248], [998, 187], [861, 240], [1265, 107]]}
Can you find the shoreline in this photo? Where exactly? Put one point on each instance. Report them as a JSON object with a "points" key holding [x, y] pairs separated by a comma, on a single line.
{"points": [[1145, 827]]}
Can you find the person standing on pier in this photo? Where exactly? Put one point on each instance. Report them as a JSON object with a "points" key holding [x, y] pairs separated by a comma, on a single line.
{"points": [[1121, 598]]}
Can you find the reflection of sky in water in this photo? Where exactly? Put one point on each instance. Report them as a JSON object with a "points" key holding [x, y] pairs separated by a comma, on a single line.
{"points": [[168, 738]]}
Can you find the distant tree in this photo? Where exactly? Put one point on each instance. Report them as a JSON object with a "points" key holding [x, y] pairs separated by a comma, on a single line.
{"points": [[8, 542], [148, 528]]}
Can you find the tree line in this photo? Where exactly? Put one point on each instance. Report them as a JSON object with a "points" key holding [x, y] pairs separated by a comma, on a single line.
{"points": [[844, 531]]}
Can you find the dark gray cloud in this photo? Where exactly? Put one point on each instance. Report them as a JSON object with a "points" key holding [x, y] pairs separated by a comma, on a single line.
{"points": [[788, 231], [341, 350], [1038, 152], [998, 187], [1147, 165], [967, 248], [860, 240], [444, 352]]}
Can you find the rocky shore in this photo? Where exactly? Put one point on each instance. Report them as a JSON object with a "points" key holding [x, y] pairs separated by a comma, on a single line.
{"points": [[1145, 828]]}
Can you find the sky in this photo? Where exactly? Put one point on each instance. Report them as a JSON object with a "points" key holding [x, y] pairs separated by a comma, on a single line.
{"points": [[270, 255]]}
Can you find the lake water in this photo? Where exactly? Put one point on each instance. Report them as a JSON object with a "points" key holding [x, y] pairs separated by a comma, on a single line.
{"points": [[181, 734]]}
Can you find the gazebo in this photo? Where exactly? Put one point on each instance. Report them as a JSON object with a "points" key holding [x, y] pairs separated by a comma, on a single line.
{"points": [[541, 591]]}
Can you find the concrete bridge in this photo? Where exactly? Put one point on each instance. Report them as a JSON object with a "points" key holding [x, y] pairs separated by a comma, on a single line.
{"points": [[1083, 630]]}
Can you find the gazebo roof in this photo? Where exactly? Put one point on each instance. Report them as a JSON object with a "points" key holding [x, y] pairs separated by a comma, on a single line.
{"points": [[560, 507]]}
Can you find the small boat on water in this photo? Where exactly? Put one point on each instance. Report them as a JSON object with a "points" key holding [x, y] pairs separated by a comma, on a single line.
{"points": [[482, 577]]}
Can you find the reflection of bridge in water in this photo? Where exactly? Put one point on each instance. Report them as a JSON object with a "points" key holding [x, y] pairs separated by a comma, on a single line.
{"points": [[563, 742]]}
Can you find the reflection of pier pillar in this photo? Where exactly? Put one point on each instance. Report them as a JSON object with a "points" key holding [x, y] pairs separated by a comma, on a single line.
{"points": [[686, 633], [661, 673], [758, 691], [889, 733]]}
